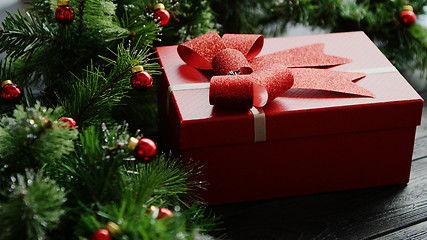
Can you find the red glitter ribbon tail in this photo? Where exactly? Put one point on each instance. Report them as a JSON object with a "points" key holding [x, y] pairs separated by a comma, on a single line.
{"points": [[305, 56], [327, 80]]}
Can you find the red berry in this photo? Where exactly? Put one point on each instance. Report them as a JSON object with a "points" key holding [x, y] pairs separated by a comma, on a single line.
{"points": [[11, 93], [408, 18], [64, 14], [141, 80], [164, 213], [71, 122], [163, 15], [101, 234], [145, 150]]}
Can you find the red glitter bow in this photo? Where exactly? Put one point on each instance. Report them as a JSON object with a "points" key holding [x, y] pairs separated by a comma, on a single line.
{"points": [[245, 81]]}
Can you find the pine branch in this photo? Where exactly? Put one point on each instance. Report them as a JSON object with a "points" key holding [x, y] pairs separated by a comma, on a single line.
{"points": [[146, 31], [22, 35], [96, 166], [163, 180], [135, 222], [189, 19], [93, 96], [33, 138], [34, 207], [158, 183], [43, 8], [98, 21]]}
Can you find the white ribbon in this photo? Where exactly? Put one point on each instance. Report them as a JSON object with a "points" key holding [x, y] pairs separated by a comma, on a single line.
{"points": [[259, 124], [371, 71], [258, 113], [180, 87]]}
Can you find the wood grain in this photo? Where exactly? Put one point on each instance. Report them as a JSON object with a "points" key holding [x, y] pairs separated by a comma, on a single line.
{"points": [[393, 212], [415, 232]]}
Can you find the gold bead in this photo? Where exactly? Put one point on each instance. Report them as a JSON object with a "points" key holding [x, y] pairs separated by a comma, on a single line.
{"points": [[132, 143], [6, 82], [153, 211], [63, 3], [112, 227], [136, 69], [159, 6], [408, 8]]}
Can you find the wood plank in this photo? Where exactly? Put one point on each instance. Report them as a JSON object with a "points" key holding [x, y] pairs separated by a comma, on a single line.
{"points": [[422, 129], [417, 231], [355, 214], [420, 147]]}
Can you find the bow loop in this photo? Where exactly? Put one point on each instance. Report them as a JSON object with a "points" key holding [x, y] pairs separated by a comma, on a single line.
{"points": [[200, 51], [230, 60], [249, 45]]}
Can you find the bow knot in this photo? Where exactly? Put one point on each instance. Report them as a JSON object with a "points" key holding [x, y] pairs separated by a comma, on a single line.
{"points": [[230, 60]]}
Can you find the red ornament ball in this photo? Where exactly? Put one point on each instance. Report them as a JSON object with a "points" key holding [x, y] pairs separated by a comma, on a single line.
{"points": [[64, 14], [101, 234], [71, 122], [164, 213], [408, 18], [140, 80], [10, 93], [145, 150], [162, 14]]}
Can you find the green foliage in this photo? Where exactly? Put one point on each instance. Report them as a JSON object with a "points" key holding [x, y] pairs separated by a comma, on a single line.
{"points": [[44, 50], [23, 34], [405, 46], [34, 206], [92, 98], [164, 180], [111, 186], [242, 16], [33, 138], [84, 68], [136, 222], [95, 169], [189, 19], [98, 21]]}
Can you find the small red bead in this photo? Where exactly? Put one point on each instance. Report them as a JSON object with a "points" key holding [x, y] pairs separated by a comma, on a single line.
{"points": [[145, 150], [11, 93], [101, 234], [163, 15], [71, 122], [64, 15], [164, 213], [408, 18], [141, 80]]}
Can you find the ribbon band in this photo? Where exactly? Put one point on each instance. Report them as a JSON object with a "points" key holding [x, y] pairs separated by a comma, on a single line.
{"points": [[259, 124], [258, 114], [371, 71]]}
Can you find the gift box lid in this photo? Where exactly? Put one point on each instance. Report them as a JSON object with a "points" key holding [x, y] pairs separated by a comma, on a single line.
{"points": [[297, 112]]}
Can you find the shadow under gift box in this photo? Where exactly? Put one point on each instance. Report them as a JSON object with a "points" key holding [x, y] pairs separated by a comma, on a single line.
{"points": [[316, 141]]}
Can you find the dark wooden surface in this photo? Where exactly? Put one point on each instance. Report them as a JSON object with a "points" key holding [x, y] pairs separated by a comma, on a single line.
{"points": [[392, 212]]}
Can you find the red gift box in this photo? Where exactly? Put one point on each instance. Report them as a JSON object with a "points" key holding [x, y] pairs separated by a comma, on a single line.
{"points": [[305, 141]]}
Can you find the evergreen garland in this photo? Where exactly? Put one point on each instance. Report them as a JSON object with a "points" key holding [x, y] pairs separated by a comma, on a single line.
{"points": [[69, 182]]}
